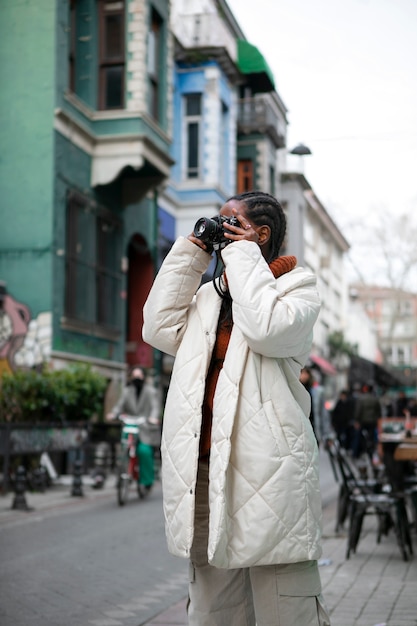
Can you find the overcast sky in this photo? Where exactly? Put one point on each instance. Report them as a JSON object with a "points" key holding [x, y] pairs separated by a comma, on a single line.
{"points": [[346, 71]]}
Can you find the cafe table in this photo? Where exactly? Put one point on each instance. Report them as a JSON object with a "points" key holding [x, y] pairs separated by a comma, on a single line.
{"points": [[398, 450]]}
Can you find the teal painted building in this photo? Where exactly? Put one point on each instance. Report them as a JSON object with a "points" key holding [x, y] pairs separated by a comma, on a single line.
{"points": [[85, 131], [122, 123]]}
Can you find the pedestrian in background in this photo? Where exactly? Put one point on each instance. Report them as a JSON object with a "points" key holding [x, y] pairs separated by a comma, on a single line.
{"points": [[306, 379], [342, 417], [239, 457], [401, 404], [140, 399], [368, 410], [412, 407], [319, 415]]}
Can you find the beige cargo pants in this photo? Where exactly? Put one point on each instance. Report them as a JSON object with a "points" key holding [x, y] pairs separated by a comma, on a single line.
{"points": [[273, 595]]}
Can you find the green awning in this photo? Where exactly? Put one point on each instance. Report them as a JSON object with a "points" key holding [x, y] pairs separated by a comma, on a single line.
{"points": [[252, 63]]}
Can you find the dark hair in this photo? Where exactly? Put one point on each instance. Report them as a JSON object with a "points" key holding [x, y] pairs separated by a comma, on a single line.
{"points": [[262, 208]]}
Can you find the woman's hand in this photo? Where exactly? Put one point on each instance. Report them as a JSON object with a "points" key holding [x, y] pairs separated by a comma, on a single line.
{"points": [[200, 244], [245, 230]]}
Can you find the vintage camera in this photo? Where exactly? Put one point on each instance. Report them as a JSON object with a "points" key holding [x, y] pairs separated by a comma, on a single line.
{"points": [[211, 231]]}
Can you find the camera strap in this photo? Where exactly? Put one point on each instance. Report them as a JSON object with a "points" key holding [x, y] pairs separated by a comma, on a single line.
{"points": [[218, 275]]}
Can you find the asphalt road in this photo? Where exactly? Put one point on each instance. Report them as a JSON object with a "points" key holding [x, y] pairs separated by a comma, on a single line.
{"points": [[93, 563]]}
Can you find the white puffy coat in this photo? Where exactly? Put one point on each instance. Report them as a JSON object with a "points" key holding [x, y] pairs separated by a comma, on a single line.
{"points": [[264, 493]]}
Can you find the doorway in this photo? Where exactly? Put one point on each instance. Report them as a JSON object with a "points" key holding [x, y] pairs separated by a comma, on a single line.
{"points": [[139, 281]]}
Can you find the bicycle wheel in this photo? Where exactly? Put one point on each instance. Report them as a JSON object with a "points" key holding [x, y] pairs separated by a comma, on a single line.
{"points": [[123, 484]]}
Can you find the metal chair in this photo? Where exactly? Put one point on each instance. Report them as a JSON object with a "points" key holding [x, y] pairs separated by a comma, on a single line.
{"points": [[389, 508], [347, 482]]}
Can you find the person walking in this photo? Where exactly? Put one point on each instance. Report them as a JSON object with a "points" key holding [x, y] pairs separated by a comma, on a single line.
{"points": [[319, 415], [140, 399], [368, 410], [239, 458], [342, 417], [401, 404], [306, 378]]}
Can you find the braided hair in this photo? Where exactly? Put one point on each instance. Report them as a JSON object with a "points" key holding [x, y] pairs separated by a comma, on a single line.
{"points": [[262, 208]]}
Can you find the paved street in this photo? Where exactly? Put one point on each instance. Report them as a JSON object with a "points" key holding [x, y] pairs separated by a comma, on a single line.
{"points": [[85, 561]]}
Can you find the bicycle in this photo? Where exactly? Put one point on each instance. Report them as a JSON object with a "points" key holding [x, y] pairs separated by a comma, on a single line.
{"points": [[128, 472]]}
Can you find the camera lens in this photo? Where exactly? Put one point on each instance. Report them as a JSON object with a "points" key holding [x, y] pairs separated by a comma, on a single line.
{"points": [[206, 229]]}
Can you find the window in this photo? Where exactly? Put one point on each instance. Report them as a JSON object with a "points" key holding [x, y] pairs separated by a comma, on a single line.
{"points": [[154, 63], [192, 124], [111, 54], [400, 355], [224, 145], [72, 45], [388, 354], [244, 175], [405, 307], [107, 279], [271, 180], [93, 281]]}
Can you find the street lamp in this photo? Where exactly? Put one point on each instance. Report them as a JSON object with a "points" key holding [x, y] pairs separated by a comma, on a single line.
{"points": [[301, 150]]}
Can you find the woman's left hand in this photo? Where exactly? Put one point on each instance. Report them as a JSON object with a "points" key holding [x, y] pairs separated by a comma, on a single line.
{"points": [[245, 230]]}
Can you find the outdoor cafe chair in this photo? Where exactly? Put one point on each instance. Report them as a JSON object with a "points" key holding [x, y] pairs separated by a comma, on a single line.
{"points": [[347, 482], [390, 509]]}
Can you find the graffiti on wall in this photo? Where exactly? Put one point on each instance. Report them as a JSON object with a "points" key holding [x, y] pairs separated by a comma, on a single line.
{"points": [[24, 342]]}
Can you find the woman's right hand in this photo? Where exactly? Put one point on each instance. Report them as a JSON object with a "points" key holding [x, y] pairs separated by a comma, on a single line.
{"points": [[200, 243]]}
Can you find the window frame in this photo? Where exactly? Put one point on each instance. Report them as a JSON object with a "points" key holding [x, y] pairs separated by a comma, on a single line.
{"points": [[191, 121], [72, 46], [102, 306], [154, 65], [104, 62]]}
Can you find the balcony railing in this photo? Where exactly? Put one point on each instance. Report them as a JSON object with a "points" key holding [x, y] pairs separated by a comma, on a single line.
{"points": [[204, 30], [257, 115]]}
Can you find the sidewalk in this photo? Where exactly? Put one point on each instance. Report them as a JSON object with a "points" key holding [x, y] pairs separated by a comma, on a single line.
{"points": [[57, 496], [375, 587]]}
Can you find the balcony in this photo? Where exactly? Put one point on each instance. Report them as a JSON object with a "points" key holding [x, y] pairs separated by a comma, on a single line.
{"points": [[204, 30], [205, 35], [258, 115]]}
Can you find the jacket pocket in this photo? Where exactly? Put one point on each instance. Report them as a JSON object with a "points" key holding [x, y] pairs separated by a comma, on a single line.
{"points": [[298, 579]]}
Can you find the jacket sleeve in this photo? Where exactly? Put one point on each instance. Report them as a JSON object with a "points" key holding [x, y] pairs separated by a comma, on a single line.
{"points": [[276, 316], [166, 308], [120, 406]]}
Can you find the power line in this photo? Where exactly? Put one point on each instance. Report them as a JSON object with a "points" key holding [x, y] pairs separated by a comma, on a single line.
{"points": [[392, 136]]}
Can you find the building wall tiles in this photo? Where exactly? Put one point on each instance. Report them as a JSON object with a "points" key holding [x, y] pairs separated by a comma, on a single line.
{"points": [[137, 55]]}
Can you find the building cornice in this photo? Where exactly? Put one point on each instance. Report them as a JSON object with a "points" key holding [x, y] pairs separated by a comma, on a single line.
{"points": [[111, 153]]}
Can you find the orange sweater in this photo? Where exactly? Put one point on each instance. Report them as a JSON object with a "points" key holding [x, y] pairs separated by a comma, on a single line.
{"points": [[279, 266]]}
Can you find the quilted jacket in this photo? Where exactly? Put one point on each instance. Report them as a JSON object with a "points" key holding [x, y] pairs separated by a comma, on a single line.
{"points": [[264, 494]]}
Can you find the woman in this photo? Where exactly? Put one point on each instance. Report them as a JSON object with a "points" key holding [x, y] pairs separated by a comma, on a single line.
{"points": [[239, 457], [139, 399]]}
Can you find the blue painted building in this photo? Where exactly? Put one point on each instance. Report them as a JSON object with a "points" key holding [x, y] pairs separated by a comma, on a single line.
{"points": [[228, 120]]}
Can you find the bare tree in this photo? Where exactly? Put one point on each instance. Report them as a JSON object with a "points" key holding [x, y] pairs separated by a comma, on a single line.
{"points": [[384, 249], [384, 255]]}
